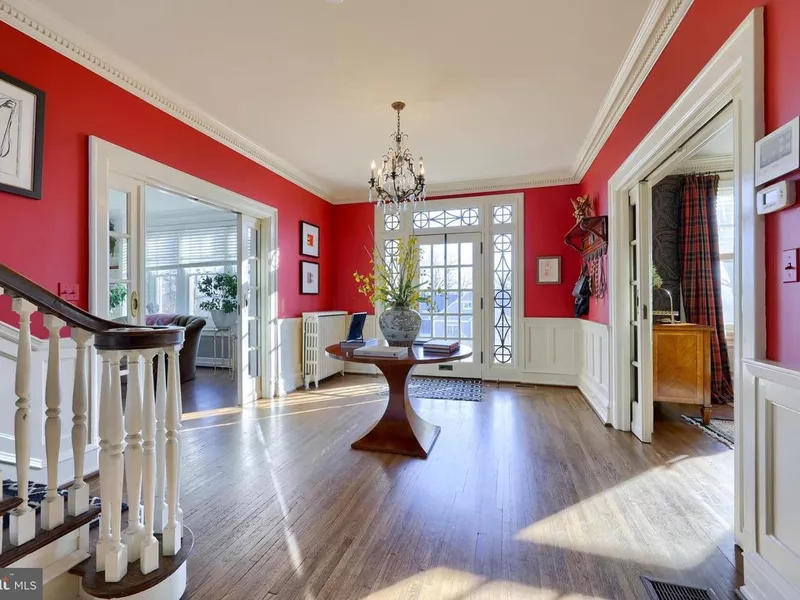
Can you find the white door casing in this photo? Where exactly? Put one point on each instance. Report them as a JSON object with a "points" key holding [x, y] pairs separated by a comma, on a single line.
{"points": [[249, 338]]}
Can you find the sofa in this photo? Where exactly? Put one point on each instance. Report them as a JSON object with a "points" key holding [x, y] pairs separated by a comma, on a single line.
{"points": [[191, 340]]}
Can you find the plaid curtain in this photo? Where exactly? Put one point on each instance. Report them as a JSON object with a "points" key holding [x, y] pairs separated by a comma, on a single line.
{"points": [[700, 274]]}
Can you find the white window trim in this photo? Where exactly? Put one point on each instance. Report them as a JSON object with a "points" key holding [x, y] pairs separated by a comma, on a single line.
{"points": [[486, 228]]}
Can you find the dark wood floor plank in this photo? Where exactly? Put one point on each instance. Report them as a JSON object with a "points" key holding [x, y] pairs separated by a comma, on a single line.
{"points": [[525, 495]]}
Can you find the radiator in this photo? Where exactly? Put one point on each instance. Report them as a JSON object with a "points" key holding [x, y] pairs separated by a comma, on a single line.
{"points": [[320, 330]]}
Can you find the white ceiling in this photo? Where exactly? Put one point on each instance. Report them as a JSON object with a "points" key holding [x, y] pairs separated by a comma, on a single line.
{"points": [[495, 89]]}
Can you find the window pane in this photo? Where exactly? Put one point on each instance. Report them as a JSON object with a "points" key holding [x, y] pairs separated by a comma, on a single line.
{"points": [[727, 276], [466, 278], [466, 302], [502, 250], [502, 214], [162, 292], [452, 254], [466, 253], [437, 219]]}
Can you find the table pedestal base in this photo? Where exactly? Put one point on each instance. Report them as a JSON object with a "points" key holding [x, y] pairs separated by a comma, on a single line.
{"points": [[400, 430]]}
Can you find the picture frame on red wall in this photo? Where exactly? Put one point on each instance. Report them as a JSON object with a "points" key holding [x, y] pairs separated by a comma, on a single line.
{"points": [[21, 137], [309, 239]]}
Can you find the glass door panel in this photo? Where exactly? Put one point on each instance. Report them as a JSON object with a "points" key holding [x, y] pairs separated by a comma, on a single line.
{"points": [[250, 322], [448, 265], [124, 248]]}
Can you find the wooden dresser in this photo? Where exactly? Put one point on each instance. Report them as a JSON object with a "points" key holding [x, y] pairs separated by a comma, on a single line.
{"points": [[682, 365]]}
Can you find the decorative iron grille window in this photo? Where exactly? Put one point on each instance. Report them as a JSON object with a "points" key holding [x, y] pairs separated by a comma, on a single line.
{"points": [[438, 219], [391, 222], [391, 250], [502, 248], [502, 215]]}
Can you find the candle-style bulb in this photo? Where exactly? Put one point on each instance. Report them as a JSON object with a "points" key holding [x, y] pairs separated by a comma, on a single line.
{"points": [[421, 167]]}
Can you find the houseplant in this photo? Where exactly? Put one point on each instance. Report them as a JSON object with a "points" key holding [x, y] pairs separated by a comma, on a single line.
{"points": [[395, 284], [116, 295], [221, 292]]}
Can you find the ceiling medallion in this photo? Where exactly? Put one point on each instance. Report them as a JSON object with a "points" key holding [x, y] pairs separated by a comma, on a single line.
{"points": [[396, 185]]}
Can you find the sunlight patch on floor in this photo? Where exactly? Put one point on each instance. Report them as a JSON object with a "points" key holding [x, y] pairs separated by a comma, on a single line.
{"points": [[452, 584], [598, 525]]}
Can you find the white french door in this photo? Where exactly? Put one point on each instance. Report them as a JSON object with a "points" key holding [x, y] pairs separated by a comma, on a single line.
{"points": [[250, 341], [452, 263], [121, 271], [641, 349]]}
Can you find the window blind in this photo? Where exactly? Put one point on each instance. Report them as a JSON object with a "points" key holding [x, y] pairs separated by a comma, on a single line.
{"points": [[190, 246]]}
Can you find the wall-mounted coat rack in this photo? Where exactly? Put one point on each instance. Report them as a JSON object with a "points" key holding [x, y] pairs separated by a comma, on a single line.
{"points": [[589, 237]]}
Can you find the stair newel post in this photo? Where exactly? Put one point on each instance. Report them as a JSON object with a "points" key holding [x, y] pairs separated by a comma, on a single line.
{"points": [[161, 410], [134, 532], [148, 553], [104, 535], [78, 493], [53, 505], [22, 526], [173, 530], [116, 561]]}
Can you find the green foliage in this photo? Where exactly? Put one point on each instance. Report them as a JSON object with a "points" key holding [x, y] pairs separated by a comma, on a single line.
{"points": [[116, 295], [222, 291], [658, 282]]}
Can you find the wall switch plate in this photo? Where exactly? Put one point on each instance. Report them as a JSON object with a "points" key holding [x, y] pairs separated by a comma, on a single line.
{"points": [[789, 266], [69, 291]]}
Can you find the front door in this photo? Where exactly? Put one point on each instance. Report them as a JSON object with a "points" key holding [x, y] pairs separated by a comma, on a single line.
{"points": [[452, 263]]}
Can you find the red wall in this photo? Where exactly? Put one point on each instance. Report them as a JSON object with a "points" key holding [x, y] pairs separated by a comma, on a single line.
{"points": [[703, 31], [47, 240], [548, 217]]}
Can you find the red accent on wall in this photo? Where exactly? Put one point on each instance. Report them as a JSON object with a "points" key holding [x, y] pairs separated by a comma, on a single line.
{"points": [[703, 31], [47, 240], [548, 217]]}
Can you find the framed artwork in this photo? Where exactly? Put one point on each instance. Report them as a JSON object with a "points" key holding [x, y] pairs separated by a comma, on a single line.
{"points": [[778, 153], [309, 239], [21, 137], [309, 277], [548, 269]]}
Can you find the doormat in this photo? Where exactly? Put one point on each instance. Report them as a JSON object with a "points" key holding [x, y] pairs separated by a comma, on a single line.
{"points": [[721, 430], [36, 494], [440, 388]]}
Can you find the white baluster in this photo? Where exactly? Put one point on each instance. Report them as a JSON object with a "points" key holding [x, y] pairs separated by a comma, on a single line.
{"points": [[53, 506], [179, 510], [78, 493], [104, 535], [134, 533], [116, 560], [22, 526], [148, 553], [173, 531], [161, 432]]}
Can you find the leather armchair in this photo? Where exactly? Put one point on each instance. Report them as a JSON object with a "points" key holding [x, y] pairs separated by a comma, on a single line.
{"points": [[193, 328]]}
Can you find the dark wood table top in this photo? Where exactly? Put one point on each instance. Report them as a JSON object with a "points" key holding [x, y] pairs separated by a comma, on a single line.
{"points": [[416, 356]]}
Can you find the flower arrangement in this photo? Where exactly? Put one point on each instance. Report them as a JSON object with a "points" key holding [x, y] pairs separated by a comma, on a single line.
{"points": [[392, 282]]}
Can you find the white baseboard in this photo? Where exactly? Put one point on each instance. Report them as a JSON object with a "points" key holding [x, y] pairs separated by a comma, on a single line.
{"points": [[557, 379], [762, 581]]}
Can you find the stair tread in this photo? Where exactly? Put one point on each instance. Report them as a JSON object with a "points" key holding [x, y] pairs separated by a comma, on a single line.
{"points": [[8, 503], [12, 554], [134, 582]]}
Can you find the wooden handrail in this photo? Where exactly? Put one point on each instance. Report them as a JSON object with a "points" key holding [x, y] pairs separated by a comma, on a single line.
{"points": [[109, 335]]}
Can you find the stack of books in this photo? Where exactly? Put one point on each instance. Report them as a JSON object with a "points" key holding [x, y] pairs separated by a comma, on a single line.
{"points": [[381, 352], [438, 346], [358, 343]]}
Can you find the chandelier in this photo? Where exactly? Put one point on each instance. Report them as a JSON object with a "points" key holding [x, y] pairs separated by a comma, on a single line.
{"points": [[396, 185]]}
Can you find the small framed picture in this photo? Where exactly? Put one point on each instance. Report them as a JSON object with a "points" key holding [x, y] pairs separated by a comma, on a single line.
{"points": [[548, 270], [21, 137], [778, 153], [309, 239], [309, 277]]}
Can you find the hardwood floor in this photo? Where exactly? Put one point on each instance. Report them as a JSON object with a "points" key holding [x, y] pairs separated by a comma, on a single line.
{"points": [[525, 495]]}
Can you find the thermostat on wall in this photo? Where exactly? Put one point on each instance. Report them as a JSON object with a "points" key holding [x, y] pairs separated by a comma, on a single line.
{"points": [[776, 197]]}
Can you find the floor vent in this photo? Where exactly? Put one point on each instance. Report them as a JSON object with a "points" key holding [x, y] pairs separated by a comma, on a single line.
{"points": [[659, 589]]}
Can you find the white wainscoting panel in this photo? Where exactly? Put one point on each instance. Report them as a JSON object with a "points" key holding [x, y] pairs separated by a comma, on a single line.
{"points": [[550, 351], [9, 338], [290, 355], [773, 570], [594, 367]]}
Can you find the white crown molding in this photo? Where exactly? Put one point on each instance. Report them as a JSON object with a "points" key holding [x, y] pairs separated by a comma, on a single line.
{"points": [[659, 24], [44, 26]]}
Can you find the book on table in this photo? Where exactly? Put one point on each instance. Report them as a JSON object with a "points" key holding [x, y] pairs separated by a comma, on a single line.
{"points": [[381, 351], [441, 346], [358, 343]]}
